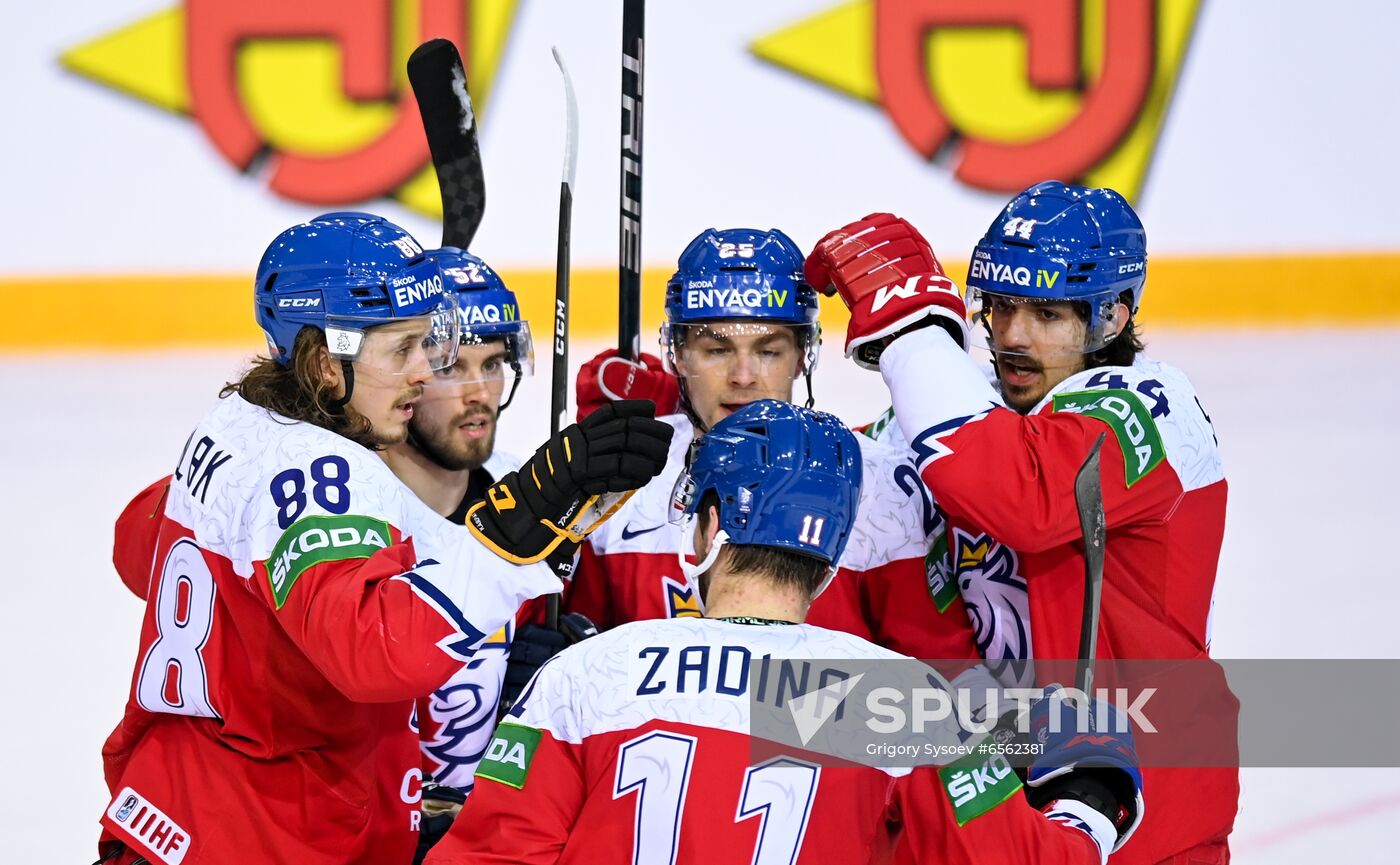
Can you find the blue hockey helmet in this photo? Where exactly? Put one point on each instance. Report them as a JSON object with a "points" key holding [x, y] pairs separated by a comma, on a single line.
{"points": [[343, 273], [1055, 242], [784, 476], [740, 277], [741, 274], [489, 312]]}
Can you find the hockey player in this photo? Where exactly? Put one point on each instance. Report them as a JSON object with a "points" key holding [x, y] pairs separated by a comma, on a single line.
{"points": [[449, 461], [450, 458], [633, 746], [299, 598], [741, 325], [1059, 276]]}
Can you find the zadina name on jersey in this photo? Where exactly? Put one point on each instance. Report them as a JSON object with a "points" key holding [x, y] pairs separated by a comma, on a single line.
{"points": [[633, 746], [883, 592], [299, 598]]}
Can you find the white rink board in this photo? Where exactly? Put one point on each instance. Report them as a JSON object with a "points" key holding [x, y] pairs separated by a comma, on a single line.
{"points": [[1247, 160], [1306, 420]]}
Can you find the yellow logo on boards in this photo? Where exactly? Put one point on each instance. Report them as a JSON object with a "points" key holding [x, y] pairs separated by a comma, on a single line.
{"points": [[1014, 93], [315, 89]]}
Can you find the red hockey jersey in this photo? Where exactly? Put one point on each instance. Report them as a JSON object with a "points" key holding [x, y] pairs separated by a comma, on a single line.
{"points": [[633, 746], [1006, 484], [298, 600], [883, 592]]}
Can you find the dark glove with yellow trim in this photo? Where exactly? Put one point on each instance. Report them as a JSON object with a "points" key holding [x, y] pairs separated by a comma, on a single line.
{"points": [[573, 483]]}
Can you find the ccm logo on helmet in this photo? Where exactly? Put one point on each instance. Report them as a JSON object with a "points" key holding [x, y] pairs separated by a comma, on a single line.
{"points": [[297, 302], [1133, 267]]}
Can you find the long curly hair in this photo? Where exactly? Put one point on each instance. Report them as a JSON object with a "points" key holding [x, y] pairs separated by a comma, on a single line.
{"points": [[301, 391]]}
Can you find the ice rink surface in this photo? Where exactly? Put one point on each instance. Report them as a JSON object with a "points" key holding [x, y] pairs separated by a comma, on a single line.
{"points": [[1307, 421]]}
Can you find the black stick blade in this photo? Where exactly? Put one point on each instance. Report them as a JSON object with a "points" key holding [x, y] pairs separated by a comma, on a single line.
{"points": [[440, 86], [1088, 500]]}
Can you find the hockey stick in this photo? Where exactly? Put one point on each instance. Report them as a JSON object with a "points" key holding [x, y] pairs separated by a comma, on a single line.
{"points": [[559, 400], [1088, 500], [629, 276], [559, 397], [440, 86]]}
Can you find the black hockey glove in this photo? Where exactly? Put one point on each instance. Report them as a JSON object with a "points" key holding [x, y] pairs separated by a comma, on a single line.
{"points": [[535, 644], [573, 483], [440, 804]]}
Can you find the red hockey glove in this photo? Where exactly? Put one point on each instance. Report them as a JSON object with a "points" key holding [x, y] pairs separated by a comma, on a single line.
{"points": [[609, 378], [888, 276]]}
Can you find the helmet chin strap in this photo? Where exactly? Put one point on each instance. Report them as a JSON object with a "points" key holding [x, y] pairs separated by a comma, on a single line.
{"points": [[348, 369], [811, 355], [692, 572], [514, 386]]}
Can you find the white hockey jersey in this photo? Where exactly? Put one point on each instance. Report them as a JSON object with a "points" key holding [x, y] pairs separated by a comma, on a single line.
{"points": [[634, 746]]}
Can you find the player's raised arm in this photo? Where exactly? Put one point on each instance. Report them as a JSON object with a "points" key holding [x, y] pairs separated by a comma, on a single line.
{"points": [[1058, 276]]}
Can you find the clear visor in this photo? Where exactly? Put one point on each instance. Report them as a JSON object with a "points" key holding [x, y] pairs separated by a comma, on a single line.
{"points": [[403, 346], [487, 358], [1043, 329], [758, 349]]}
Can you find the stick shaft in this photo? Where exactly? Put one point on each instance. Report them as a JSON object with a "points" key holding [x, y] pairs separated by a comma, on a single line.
{"points": [[629, 284], [559, 390]]}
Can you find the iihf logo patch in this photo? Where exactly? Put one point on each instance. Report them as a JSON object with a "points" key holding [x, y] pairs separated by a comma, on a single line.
{"points": [[126, 809], [679, 599]]}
